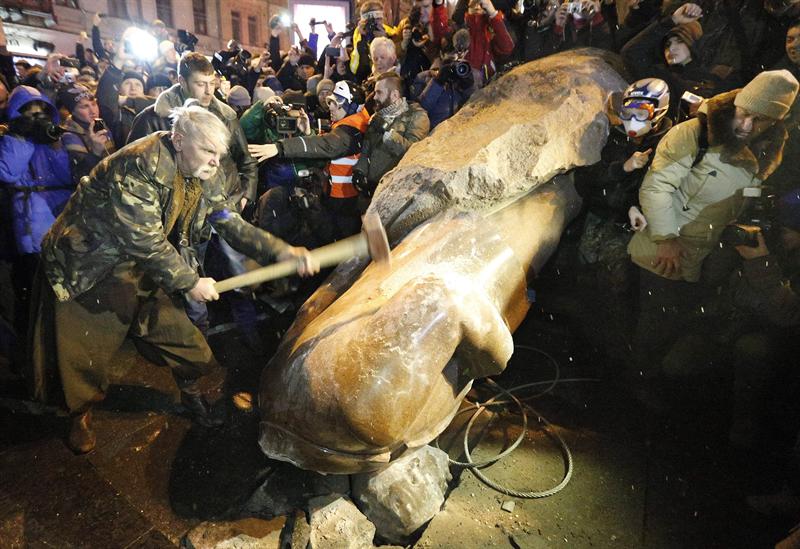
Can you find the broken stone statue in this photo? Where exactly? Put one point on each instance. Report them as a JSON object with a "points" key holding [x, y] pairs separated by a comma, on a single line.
{"points": [[377, 362]]}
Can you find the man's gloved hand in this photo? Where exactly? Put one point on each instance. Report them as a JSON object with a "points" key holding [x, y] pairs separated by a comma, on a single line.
{"points": [[361, 184]]}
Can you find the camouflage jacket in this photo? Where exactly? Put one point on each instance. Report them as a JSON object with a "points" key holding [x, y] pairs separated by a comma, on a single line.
{"points": [[123, 211]]}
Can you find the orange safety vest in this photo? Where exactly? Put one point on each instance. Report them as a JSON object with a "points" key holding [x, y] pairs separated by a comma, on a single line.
{"points": [[341, 169]]}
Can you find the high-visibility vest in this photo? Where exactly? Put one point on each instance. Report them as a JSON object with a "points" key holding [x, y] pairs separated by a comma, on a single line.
{"points": [[341, 169]]}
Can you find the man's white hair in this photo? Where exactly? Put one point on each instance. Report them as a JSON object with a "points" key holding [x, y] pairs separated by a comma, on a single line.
{"points": [[198, 124], [381, 42]]}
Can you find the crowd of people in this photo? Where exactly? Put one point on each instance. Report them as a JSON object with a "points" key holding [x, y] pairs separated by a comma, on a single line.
{"points": [[697, 188]]}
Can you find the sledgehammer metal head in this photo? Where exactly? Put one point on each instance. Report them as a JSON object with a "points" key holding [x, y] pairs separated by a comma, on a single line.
{"points": [[377, 243], [371, 240]]}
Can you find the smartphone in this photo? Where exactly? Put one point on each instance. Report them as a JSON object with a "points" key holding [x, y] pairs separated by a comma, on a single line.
{"points": [[99, 125], [689, 97], [330, 51]]}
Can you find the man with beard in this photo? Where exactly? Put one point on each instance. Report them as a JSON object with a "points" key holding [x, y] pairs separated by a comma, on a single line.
{"points": [[113, 268], [701, 172], [396, 125]]}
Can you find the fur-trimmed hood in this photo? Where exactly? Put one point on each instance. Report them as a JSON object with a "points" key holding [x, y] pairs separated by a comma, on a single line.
{"points": [[761, 157], [174, 97]]}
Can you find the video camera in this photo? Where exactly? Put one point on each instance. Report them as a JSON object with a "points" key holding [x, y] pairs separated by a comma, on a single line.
{"points": [[280, 117], [186, 41], [232, 63], [759, 217], [456, 71]]}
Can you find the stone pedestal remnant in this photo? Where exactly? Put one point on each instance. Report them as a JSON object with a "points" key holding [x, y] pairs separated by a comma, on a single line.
{"points": [[377, 363], [405, 495], [338, 524]]}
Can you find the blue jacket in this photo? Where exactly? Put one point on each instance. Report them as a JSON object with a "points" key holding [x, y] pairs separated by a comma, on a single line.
{"points": [[27, 169]]}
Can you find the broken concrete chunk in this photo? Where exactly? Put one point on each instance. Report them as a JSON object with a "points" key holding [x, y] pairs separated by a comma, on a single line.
{"points": [[338, 524], [508, 506], [405, 495]]}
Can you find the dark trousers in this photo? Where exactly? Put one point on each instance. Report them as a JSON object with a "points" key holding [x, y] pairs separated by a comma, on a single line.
{"points": [[78, 339], [668, 309]]}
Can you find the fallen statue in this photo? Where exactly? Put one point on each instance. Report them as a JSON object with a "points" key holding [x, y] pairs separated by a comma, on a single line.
{"points": [[378, 361]]}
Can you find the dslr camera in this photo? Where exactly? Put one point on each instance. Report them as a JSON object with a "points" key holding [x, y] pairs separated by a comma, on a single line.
{"points": [[759, 218], [415, 20]]}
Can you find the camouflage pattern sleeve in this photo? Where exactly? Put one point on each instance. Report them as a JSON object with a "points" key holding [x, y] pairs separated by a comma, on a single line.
{"points": [[136, 225], [241, 235]]}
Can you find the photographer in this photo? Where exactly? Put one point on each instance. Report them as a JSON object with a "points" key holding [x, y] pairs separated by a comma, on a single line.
{"points": [[370, 26], [35, 170], [87, 140], [691, 193], [489, 38], [452, 84], [580, 24], [396, 125], [268, 121], [667, 49], [296, 70], [120, 91], [535, 27], [764, 354], [341, 147]]}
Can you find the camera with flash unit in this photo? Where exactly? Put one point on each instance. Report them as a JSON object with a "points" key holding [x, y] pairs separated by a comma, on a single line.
{"points": [[759, 218]]}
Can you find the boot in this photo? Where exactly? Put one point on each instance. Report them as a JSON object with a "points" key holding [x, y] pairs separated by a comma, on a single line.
{"points": [[200, 410], [81, 439]]}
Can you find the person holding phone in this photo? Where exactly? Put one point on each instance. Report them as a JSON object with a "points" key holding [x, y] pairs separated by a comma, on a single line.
{"points": [[88, 139]]}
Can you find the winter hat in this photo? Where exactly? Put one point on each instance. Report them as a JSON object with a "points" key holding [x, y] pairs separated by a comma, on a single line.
{"points": [[688, 33], [158, 81], [325, 84], [238, 97], [306, 59], [262, 93], [70, 97], [127, 75], [770, 93], [789, 210]]}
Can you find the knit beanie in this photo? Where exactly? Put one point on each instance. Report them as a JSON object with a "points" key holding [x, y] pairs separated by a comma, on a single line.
{"points": [[239, 97], [770, 93], [127, 75], [688, 33], [306, 59], [262, 93], [789, 210], [158, 81], [70, 97]]}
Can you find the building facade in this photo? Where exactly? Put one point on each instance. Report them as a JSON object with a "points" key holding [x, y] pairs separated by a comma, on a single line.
{"points": [[34, 28]]}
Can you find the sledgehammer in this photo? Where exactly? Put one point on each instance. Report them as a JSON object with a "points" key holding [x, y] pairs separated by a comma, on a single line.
{"points": [[370, 241]]}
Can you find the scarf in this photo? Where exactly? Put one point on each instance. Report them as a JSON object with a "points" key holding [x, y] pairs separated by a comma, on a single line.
{"points": [[394, 110]]}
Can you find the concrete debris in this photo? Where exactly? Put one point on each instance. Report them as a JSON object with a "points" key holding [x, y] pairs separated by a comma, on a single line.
{"points": [[508, 506], [287, 488], [405, 495], [241, 534], [338, 524]]}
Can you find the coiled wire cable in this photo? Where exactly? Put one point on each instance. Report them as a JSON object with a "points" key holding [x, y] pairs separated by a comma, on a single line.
{"points": [[522, 405]]}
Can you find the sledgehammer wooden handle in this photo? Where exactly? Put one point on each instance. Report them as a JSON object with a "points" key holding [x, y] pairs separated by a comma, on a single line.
{"points": [[327, 256]]}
